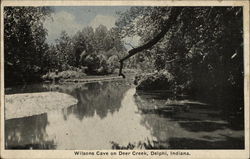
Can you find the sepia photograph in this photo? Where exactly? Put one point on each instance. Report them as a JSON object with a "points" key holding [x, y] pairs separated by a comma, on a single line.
{"points": [[124, 77]]}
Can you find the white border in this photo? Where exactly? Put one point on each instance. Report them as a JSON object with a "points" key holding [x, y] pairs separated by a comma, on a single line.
{"points": [[228, 154]]}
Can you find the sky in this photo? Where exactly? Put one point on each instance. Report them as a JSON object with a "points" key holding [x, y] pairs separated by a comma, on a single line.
{"points": [[75, 18]]}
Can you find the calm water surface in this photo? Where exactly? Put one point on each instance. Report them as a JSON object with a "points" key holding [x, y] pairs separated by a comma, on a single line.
{"points": [[112, 115]]}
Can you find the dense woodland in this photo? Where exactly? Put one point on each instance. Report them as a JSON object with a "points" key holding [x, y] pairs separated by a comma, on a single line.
{"points": [[201, 48], [28, 56]]}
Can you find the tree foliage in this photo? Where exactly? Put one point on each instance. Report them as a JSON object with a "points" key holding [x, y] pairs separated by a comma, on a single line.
{"points": [[28, 56], [203, 48], [98, 50], [24, 43]]}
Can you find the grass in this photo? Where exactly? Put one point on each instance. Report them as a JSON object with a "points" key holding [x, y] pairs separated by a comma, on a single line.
{"points": [[69, 74]]}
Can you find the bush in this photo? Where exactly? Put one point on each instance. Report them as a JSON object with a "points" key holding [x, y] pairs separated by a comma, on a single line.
{"points": [[95, 64], [113, 63], [71, 74], [98, 64], [161, 80], [49, 76], [63, 75]]}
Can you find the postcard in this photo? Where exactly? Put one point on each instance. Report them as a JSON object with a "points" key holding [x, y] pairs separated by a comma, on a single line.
{"points": [[125, 79]]}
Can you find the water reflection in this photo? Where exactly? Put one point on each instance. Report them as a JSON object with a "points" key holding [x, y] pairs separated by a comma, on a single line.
{"points": [[105, 114], [111, 115], [96, 132], [27, 133], [99, 98], [186, 124]]}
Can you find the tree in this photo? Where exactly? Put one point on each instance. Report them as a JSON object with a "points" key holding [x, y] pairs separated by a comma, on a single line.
{"points": [[202, 47], [100, 35], [51, 59], [64, 48], [79, 45], [100, 44], [96, 64], [166, 25], [89, 34], [24, 43]]}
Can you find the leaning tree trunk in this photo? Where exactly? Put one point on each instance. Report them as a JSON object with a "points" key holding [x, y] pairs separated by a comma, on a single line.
{"points": [[170, 21]]}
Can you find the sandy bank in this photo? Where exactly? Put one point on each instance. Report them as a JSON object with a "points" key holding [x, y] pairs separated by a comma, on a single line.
{"points": [[28, 104]]}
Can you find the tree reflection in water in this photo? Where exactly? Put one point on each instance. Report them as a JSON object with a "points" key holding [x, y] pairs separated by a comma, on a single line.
{"points": [[27, 133], [105, 113], [99, 97], [186, 124], [122, 127], [111, 115]]}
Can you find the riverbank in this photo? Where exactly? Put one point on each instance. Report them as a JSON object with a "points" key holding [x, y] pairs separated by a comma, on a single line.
{"points": [[93, 79], [28, 104], [24, 103], [78, 76]]}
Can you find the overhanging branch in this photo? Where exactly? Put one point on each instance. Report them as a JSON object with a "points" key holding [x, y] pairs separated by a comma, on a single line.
{"points": [[170, 21]]}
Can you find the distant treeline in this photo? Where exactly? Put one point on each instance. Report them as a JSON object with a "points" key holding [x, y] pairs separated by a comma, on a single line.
{"points": [[28, 56]]}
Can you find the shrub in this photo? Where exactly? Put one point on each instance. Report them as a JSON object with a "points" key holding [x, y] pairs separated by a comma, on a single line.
{"points": [[162, 80], [63, 75], [98, 64], [112, 63]]}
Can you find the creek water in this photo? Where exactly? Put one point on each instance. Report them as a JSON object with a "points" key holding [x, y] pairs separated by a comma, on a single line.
{"points": [[112, 115]]}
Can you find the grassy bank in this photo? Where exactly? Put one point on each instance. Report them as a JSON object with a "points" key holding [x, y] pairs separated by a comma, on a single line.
{"points": [[79, 76]]}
